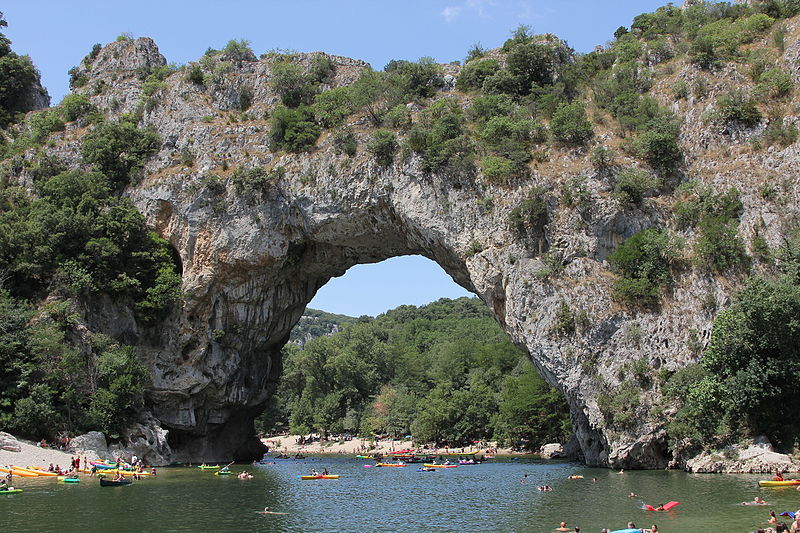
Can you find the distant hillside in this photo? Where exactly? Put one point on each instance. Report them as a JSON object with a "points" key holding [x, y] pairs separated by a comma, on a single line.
{"points": [[315, 323]]}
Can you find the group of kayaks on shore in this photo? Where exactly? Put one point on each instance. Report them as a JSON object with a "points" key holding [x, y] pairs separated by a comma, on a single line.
{"points": [[104, 470]]}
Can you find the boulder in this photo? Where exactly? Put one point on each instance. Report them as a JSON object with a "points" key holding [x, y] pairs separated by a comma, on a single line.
{"points": [[93, 441], [148, 441], [757, 457], [9, 443], [552, 451]]}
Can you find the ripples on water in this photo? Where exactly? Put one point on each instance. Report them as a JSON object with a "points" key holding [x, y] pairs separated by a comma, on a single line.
{"points": [[482, 498]]}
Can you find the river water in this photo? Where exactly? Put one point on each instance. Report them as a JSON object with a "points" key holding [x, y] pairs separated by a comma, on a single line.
{"points": [[484, 498]]}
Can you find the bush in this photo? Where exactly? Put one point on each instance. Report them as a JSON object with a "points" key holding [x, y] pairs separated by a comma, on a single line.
{"points": [[658, 143], [194, 74], [43, 123], [441, 139], [498, 169], [119, 149], [294, 130], [737, 107], [703, 202], [602, 158], [570, 125], [383, 146], [291, 83], [643, 262], [417, 80], [529, 218], [333, 106], [775, 83], [632, 185], [344, 142], [485, 107], [475, 73], [718, 247], [75, 106]]}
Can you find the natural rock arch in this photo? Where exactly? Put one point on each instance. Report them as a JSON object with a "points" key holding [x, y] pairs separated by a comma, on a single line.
{"points": [[253, 254]]}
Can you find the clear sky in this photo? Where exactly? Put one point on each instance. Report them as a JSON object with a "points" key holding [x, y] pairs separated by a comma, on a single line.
{"points": [[57, 34]]}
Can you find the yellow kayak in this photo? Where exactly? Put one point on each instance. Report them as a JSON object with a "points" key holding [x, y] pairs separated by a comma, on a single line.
{"points": [[36, 471], [784, 483], [18, 472], [320, 476]]}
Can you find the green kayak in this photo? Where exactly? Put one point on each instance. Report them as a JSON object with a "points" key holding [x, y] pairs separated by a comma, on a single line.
{"points": [[10, 491], [223, 473]]}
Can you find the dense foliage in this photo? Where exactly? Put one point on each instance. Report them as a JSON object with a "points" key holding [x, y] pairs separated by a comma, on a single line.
{"points": [[743, 385], [444, 373], [17, 77]]}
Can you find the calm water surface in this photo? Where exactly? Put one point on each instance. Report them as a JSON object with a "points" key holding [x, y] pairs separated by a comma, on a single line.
{"points": [[483, 498]]}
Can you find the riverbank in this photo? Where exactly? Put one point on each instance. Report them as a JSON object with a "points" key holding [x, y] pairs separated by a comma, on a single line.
{"points": [[293, 444], [32, 455]]}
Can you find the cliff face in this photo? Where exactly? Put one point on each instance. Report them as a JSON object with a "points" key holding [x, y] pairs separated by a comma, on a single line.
{"points": [[253, 258]]}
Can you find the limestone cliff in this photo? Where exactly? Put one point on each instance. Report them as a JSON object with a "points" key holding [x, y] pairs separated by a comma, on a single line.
{"points": [[252, 258]]}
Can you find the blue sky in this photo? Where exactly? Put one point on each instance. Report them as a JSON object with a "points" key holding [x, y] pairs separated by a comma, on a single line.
{"points": [[58, 34]]}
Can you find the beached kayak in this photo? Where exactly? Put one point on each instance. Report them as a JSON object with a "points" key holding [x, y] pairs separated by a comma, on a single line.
{"points": [[10, 491], [784, 483], [109, 483], [432, 465], [320, 476], [38, 471], [18, 472]]}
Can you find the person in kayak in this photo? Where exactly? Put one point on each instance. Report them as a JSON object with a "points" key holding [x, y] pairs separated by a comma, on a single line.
{"points": [[778, 475], [267, 511], [119, 476]]}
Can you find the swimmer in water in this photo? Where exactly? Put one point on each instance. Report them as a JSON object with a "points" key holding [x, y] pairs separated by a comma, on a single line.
{"points": [[267, 511]]}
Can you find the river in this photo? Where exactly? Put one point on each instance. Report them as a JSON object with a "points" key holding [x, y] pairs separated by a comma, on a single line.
{"points": [[484, 498]]}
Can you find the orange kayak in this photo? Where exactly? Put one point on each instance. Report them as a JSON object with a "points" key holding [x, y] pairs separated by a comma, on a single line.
{"points": [[36, 471], [20, 473]]}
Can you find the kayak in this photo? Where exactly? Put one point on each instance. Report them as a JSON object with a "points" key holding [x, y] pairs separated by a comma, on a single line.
{"points": [[66, 479], [391, 464], [784, 483], [206, 467], [123, 472], [21, 473], [320, 476], [223, 473], [38, 471], [10, 491], [109, 483], [432, 465]]}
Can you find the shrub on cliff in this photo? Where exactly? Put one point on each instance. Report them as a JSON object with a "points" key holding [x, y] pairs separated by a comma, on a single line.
{"points": [[738, 107], [632, 186], [570, 125], [440, 137], [644, 263], [475, 73], [383, 146], [294, 130], [119, 150]]}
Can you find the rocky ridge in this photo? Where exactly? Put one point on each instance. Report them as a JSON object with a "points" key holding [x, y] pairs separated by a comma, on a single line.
{"points": [[253, 259]]}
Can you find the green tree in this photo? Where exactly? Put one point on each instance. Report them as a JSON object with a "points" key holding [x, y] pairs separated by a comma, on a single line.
{"points": [[570, 125]]}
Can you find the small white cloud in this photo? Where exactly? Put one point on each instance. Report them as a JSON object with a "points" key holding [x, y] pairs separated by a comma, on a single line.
{"points": [[451, 12], [479, 5]]}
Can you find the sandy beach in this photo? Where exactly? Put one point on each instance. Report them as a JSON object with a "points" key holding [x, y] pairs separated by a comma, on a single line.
{"points": [[290, 444], [32, 455]]}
